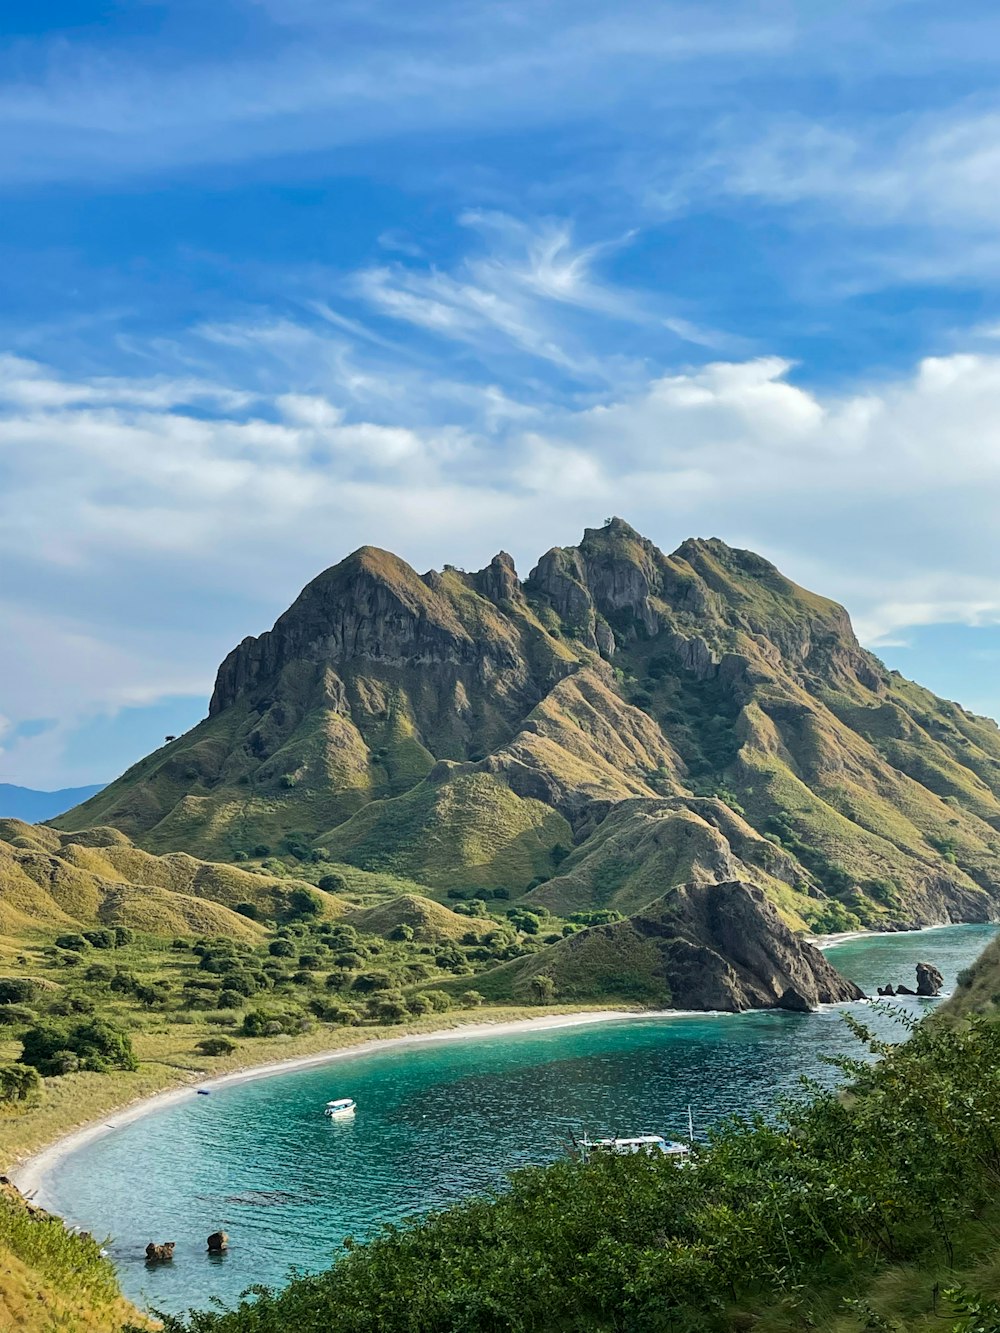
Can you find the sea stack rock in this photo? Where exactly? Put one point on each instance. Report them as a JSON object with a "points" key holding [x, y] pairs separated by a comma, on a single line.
{"points": [[217, 1242], [160, 1254], [929, 979]]}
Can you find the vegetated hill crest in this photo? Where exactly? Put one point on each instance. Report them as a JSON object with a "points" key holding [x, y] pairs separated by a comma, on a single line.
{"points": [[620, 723]]}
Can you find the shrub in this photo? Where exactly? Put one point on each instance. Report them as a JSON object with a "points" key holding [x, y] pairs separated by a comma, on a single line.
{"points": [[19, 1083], [401, 932], [124, 983], [366, 982], [391, 1009], [471, 999], [216, 1046], [250, 910], [271, 1023], [97, 1045], [100, 939], [12, 1015], [123, 936], [228, 999], [303, 903], [261, 849], [440, 1000], [71, 941], [333, 883], [99, 972], [281, 948], [17, 990]]}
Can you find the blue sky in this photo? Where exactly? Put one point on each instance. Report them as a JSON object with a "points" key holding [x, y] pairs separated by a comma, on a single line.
{"points": [[280, 277]]}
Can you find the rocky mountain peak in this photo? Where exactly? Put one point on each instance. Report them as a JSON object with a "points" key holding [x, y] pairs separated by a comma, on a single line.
{"points": [[499, 581]]}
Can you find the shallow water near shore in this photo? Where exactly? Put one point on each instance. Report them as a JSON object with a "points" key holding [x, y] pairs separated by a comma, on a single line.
{"points": [[438, 1121]]}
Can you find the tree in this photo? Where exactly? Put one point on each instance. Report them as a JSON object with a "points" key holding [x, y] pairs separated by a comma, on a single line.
{"points": [[97, 1045], [366, 982], [543, 988], [303, 903], [19, 1083], [471, 999]]}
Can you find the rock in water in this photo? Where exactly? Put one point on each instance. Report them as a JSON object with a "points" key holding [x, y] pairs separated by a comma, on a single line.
{"points": [[887, 992], [929, 979], [217, 1242], [160, 1254]]}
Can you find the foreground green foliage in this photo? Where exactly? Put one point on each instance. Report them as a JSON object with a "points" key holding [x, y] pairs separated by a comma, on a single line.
{"points": [[795, 1216]]}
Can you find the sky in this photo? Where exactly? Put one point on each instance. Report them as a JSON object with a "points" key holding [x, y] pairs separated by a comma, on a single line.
{"points": [[279, 278]]}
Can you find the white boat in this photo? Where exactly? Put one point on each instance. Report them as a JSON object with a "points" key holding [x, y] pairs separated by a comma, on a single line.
{"points": [[340, 1106], [650, 1144]]}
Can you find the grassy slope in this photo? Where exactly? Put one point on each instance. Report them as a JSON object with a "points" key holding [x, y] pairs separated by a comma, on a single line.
{"points": [[48, 879], [53, 1281]]}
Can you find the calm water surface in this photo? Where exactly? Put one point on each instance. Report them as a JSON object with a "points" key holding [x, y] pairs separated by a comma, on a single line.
{"points": [[436, 1122]]}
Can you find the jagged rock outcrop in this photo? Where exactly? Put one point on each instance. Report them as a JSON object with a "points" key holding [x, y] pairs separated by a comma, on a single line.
{"points": [[929, 979], [720, 946]]}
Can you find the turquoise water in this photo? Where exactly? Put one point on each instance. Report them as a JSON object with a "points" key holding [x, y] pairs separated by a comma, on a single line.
{"points": [[437, 1121]]}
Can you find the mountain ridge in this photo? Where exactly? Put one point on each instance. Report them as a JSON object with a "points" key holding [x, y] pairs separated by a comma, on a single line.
{"points": [[618, 725]]}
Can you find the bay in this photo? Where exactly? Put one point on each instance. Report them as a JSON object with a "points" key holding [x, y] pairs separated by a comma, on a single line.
{"points": [[438, 1121]]}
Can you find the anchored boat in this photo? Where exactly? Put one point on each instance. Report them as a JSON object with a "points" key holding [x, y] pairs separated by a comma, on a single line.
{"points": [[340, 1107], [650, 1144]]}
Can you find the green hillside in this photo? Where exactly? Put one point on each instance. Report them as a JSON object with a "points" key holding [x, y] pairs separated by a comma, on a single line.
{"points": [[620, 723]]}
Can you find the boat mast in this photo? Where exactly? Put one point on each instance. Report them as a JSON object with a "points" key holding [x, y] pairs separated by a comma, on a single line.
{"points": [[690, 1127]]}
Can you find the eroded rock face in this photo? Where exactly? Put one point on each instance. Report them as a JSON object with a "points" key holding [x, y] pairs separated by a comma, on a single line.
{"points": [[720, 947], [929, 979]]}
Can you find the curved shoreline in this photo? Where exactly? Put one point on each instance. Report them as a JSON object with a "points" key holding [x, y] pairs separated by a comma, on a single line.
{"points": [[32, 1175]]}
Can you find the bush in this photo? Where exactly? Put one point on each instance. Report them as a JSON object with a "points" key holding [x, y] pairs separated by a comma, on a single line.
{"points": [[250, 910], [100, 939], [18, 990], [19, 1083], [12, 1015], [271, 1023], [303, 904], [281, 948], [333, 883], [366, 982], [97, 1045], [215, 1046], [71, 941], [124, 983], [99, 972], [440, 1000], [471, 999], [123, 936]]}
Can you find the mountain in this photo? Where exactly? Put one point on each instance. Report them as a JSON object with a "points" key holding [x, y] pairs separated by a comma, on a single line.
{"points": [[34, 806], [621, 723]]}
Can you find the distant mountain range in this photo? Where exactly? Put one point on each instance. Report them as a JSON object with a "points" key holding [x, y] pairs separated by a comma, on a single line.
{"points": [[33, 806], [614, 735]]}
